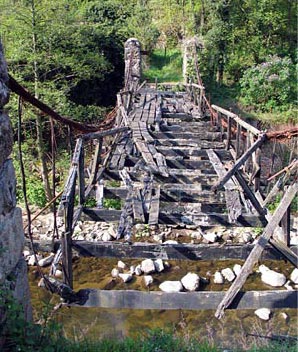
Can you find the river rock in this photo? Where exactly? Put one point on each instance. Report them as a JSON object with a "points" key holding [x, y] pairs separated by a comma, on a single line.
{"points": [[148, 266], [263, 313], [121, 265], [58, 273], [115, 272], [26, 253], [288, 286], [148, 279], [191, 281], [211, 237], [170, 242], [294, 276], [138, 270], [46, 261], [171, 286], [228, 274], [263, 268], [294, 241], [273, 278], [237, 268], [32, 260], [125, 277], [159, 267], [106, 237], [218, 278], [112, 232]]}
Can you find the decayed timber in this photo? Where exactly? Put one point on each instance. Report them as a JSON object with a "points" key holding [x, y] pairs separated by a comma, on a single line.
{"points": [[257, 250], [180, 219], [141, 250], [240, 161], [231, 193], [132, 299]]}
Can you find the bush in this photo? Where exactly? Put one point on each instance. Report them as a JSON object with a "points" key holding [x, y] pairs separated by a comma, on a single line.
{"points": [[270, 85]]}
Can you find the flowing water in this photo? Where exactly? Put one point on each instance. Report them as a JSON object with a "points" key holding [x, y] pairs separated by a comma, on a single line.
{"points": [[118, 323]]}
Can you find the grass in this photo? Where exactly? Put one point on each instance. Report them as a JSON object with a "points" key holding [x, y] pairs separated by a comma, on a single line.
{"points": [[165, 67]]}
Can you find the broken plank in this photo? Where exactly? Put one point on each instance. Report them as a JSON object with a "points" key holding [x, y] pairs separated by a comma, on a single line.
{"points": [[137, 206], [154, 206], [234, 206]]}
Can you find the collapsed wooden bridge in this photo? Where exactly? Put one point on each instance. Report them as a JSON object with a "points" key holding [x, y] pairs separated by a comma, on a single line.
{"points": [[173, 159]]}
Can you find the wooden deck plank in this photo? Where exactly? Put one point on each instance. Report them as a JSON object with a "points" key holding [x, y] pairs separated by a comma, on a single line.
{"points": [[154, 206]]}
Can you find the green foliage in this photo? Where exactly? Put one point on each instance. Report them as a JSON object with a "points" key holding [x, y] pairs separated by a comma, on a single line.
{"points": [[165, 66], [112, 203], [270, 85]]}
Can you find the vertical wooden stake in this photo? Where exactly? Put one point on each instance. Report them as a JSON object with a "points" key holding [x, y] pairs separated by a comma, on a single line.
{"points": [[238, 141], [286, 226], [228, 133], [81, 176]]}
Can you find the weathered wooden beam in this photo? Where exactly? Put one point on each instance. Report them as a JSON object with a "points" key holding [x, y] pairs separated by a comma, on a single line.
{"points": [[257, 250], [240, 162], [237, 119], [132, 299], [180, 219], [145, 250], [101, 134], [234, 205]]}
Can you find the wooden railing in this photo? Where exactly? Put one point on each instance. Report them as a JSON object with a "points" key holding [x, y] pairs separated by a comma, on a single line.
{"points": [[246, 148], [75, 186]]}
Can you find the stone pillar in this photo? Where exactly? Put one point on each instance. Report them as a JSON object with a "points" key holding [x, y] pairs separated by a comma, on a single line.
{"points": [[133, 62], [13, 268], [190, 55]]}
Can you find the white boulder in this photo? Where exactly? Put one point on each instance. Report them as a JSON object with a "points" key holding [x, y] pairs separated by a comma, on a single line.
{"points": [[138, 270], [121, 265], [228, 274], [148, 279], [106, 237], [263, 313], [115, 272], [171, 286], [294, 276], [32, 260], [46, 261], [191, 281], [148, 266], [125, 277], [159, 267], [58, 273], [237, 268], [218, 278], [263, 268], [211, 237], [273, 278]]}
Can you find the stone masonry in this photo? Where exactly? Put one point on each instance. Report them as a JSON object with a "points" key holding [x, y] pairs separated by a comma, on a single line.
{"points": [[13, 268]]}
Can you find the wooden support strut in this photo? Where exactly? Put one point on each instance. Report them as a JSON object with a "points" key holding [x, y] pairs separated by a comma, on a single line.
{"points": [[257, 250], [261, 139]]}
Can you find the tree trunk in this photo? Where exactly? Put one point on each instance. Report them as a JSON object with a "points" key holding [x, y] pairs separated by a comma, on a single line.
{"points": [[39, 129]]}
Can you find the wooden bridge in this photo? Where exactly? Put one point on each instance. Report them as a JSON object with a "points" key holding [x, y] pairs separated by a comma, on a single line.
{"points": [[174, 159]]}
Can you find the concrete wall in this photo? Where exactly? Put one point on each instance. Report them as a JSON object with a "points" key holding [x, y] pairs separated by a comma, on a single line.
{"points": [[13, 268]]}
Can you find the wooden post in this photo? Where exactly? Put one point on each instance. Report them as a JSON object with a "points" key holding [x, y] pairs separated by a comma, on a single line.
{"points": [[257, 250], [286, 226], [257, 170], [247, 146], [219, 122], [81, 176], [238, 141], [229, 130]]}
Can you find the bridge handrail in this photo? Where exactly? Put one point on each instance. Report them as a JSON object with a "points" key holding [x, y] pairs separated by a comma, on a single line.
{"points": [[237, 119]]}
